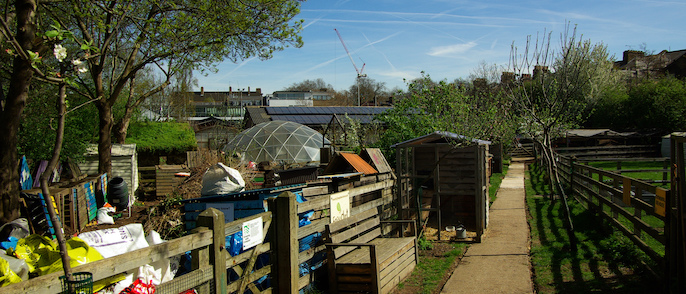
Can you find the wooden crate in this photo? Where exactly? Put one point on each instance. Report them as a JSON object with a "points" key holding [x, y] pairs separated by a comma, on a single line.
{"points": [[166, 179]]}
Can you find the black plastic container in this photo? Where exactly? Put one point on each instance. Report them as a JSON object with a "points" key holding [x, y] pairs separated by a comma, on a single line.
{"points": [[118, 193]]}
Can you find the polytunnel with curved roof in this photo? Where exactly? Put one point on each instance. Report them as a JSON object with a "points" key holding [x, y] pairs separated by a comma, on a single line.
{"points": [[278, 141]]}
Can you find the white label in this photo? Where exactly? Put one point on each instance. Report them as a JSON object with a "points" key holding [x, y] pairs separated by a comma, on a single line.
{"points": [[252, 233], [340, 206], [226, 208]]}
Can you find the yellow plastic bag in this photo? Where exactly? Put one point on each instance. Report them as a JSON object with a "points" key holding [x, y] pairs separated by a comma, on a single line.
{"points": [[44, 258], [30, 249], [7, 276]]}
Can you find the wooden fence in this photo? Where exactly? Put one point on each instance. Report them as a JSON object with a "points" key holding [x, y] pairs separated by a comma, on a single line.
{"points": [[283, 241], [597, 152], [665, 170], [635, 207]]}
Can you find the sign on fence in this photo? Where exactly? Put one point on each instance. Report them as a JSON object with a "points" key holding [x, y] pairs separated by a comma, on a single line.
{"points": [[226, 208], [340, 206], [252, 233], [626, 183], [660, 201]]}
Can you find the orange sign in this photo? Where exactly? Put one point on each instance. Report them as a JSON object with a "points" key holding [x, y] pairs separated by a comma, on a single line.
{"points": [[660, 201]]}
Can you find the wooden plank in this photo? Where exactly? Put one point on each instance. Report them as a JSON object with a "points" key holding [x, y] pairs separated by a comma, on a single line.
{"points": [[313, 191], [353, 269], [249, 278], [316, 226], [386, 259], [370, 188], [340, 251], [232, 261], [335, 227], [354, 279], [317, 204], [343, 236], [391, 273], [403, 274]]}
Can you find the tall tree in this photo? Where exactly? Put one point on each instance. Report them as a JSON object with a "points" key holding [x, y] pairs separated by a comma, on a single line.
{"points": [[23, 15], [558, 88], [559, 93], [368, 90], [124, 37]]}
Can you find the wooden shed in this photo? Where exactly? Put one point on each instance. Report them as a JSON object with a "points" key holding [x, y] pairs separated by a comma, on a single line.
{"points": [[124, 164], [447, 174]]}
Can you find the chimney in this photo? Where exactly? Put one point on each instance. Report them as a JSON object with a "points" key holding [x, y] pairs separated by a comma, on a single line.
{"points": [[539, 69], [248, 91], [631, 54], [202, 91], [259, 91], [507, 78]]}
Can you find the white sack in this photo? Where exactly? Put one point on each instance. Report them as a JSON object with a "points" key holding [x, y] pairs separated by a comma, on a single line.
{"points": [[115, 241], [221, 179], [103, 217]]}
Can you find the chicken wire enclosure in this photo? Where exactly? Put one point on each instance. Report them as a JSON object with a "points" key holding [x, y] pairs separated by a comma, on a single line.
{"points": [[278, 141]]}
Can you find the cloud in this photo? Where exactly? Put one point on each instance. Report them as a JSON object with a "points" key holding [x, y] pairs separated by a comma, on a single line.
{"points": [[451, 50]]}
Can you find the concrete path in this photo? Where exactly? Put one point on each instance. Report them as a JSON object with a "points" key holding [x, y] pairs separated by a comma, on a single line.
{"points": [[500, 264]]}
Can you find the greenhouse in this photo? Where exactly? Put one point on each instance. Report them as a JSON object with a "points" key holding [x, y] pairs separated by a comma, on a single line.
{"points": [[278, 141]]}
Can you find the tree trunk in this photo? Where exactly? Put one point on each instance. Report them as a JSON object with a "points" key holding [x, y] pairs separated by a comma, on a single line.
{"points": [[105, 137], [122, 127], [59, 138], [10, 116]]}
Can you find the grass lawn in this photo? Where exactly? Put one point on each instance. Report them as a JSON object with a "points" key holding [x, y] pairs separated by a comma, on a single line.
{"points": [[496, 179], [603, 260], [636, 165], [436, 262]]}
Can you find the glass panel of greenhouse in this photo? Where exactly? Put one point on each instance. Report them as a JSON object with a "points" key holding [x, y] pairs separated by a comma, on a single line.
{"points": [[277, 141]]}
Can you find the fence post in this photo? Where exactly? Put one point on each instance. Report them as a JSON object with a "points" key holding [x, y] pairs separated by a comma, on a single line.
{"points": [[214, 220], [285, 240]]}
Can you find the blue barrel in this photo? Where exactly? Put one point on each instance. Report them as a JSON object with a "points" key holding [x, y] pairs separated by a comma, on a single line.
{"points": [[118, 193]]}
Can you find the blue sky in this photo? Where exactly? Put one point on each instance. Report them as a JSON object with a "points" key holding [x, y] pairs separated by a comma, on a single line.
{"points": [[398, 40]]}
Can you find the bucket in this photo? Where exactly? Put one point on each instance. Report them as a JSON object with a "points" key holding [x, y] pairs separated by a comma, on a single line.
{"points": [[461, 233], [118, 193]]}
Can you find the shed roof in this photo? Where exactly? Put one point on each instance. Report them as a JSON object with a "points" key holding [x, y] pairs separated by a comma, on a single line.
{"points": [[117, 150], [439, 137], [591, 133], [343, 161]]}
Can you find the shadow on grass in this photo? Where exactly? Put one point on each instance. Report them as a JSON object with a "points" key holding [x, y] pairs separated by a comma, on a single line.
{"points": [[595, 265]]}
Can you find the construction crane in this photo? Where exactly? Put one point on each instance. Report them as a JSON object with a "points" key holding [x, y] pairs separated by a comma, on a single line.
{"points": [[358, 71]]}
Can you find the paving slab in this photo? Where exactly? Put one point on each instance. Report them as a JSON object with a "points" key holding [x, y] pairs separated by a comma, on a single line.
{"points": [[500, 263]]}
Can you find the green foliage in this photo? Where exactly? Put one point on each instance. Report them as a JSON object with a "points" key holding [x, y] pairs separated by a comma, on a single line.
{"points": [[658, 104], [430, 106], [161, 136], [424, 244], [37, 132], [618, 248], [654, 104]]}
